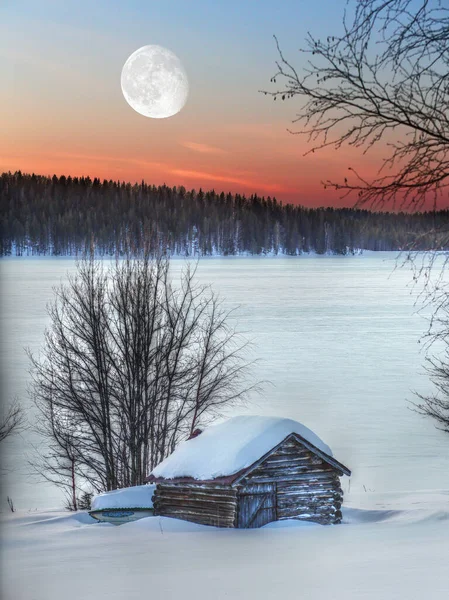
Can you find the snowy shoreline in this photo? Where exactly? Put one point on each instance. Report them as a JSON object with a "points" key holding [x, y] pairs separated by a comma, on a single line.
{"points": [[357, 254], [390, 546], [193, 256]]}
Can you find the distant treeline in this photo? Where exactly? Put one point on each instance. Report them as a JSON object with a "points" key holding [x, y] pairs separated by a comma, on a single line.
{"points": [[65, 216]]}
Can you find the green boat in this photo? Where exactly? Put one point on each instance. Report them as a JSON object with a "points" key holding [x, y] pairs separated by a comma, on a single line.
{"points": [[123, 505]]}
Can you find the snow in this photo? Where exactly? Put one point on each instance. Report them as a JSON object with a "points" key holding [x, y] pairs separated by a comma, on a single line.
{"points": [[390, 547], [229, 447], [138, 496], [290, 524]]}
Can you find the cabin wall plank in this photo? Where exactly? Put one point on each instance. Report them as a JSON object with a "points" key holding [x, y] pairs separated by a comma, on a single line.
{"points": [[207, 505]]}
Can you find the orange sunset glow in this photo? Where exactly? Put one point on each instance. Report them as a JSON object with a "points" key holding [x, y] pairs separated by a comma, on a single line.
{"points": [[63, 113]]}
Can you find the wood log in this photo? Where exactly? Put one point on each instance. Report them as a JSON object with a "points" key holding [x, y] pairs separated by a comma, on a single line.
{"points": [[199, 489], [203, 510], [193, 494], [201, 517], [292, 502], [325, 493], [291, 513], [306, 459], [306, 505], [206, 510], [207, 506], [279, 477], [306, 510], [294, 450], [309, 493], [199, 501], [304, 500], [330, 480], [301, 482], [291, 470], [300, 503], [285, 459], [281, 457], [327, 479], [307, 497], [194, 498]]}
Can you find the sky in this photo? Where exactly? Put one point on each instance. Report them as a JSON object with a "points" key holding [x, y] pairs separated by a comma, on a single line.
{"points": [[62, 110]]}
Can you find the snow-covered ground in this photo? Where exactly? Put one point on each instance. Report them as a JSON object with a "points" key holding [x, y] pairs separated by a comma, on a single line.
{"points": [[337, 338], [391, 547]]}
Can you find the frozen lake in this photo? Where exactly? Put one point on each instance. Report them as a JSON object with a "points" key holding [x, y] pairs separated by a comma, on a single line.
{"points": [[337, 337]]}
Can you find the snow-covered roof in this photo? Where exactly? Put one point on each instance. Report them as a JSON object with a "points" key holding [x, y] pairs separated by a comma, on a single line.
{"points": [[138, 496], [225, 449]]}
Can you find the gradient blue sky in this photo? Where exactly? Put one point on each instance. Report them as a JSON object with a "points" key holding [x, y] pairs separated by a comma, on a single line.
{"points": [[62, 110]]}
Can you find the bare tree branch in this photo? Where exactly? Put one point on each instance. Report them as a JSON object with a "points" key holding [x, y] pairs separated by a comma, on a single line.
{"points": [[436, 405], [13, 421], [131, 363], [384, 80]]}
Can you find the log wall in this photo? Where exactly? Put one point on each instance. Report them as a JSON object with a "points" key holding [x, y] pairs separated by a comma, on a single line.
{"points": [[200, 503], [307, 487]]}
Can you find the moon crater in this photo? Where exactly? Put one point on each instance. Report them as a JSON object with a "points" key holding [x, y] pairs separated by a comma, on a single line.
{"points": [[154, 82]]}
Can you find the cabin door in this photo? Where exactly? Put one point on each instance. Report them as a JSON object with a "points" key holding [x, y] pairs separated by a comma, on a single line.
{"points": [[256, 505]]}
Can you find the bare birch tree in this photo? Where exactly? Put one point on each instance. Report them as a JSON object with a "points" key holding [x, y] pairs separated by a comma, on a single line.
{"points": [[131, 365]]}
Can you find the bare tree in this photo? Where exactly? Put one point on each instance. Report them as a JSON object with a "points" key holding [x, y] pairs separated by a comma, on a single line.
{"points": [[12, 422], [131, 364], [57, 460], [383, 81], [436, 405]]}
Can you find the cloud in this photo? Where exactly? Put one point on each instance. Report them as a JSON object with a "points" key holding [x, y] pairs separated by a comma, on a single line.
{"points": [[203, 148], [260, 130], [253, 185], [106, 159]]}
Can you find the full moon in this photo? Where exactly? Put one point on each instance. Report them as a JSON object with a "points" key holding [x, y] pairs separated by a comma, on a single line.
{"points": [[154, 82]]}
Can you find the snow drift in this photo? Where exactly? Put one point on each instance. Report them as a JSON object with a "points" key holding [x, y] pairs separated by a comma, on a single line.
{"points": [[395, 547]]}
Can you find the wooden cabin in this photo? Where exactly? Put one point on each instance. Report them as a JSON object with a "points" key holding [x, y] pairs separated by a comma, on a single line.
{"points": [[249, 471]]}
